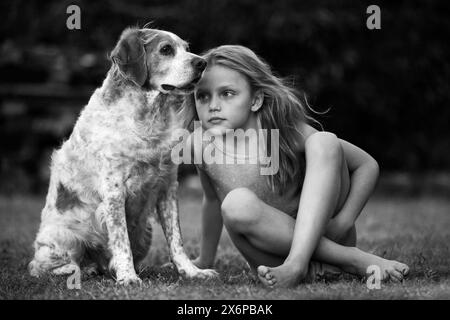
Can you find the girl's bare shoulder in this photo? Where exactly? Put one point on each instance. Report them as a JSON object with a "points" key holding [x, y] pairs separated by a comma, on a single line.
{"points": [[306, 131]]}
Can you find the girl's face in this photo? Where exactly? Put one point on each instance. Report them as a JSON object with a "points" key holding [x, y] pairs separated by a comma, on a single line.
{"points": [[223, 99]]}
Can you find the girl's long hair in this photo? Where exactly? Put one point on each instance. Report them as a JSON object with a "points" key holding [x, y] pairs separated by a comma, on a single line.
{"points": [[282, 108]]}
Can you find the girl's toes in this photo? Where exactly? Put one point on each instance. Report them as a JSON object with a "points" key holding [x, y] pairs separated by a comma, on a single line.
{"points": [[404, 269], [263, 280], [401, 268], [266, 282], [396, 276], [266, 276], [262, 271]]}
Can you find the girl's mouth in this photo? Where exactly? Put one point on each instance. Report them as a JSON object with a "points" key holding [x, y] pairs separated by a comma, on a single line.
{"points": [[215, 120]]}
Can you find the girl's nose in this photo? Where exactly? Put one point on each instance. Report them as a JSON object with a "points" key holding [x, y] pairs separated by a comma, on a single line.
{"points": [[214, 105]]}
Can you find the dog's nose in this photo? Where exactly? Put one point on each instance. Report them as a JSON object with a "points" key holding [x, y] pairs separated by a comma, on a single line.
{"points": [[199, 64]]}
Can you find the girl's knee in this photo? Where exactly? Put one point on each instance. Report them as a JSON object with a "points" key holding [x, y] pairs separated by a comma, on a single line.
{"points": [[326, 146], [240, 209], [344, 185]]}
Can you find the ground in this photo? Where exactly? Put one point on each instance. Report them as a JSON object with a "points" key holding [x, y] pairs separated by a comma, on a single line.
{"points": [[411, 229]]}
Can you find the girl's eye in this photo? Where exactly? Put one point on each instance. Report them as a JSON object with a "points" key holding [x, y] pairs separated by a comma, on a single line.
{"points": [[201, 97], [228, 93], [167, 50]]}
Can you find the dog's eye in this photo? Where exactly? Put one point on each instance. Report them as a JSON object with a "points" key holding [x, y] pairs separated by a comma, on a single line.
{"points": [[166, 50]]}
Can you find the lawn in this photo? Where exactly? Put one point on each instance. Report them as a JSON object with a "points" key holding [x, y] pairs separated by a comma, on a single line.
{"points": [[414, 230]]}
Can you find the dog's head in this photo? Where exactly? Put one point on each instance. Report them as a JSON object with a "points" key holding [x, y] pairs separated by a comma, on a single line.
{"points": [[158, 60]]}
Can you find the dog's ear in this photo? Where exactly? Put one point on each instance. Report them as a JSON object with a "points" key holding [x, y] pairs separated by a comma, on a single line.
{"points": [[130, 56], [186, 113]]}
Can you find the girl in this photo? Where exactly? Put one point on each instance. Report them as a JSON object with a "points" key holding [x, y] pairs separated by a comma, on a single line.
{"points": [[305, 210]]}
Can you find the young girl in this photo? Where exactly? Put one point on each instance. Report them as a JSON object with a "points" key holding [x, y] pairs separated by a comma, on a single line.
{"points": [[306, 210]]}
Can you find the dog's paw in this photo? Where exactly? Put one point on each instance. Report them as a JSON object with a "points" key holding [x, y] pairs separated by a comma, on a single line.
{"points": [[207, 274], [66, 269], [197, 273], [128, 280], [33, 269]]}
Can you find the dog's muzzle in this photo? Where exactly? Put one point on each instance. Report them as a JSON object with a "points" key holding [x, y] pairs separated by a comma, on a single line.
{"points": [[188, 87], [199, 65]]}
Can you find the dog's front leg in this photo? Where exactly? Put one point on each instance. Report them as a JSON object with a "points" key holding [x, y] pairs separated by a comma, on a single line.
{"points": [[113, 211], [167, 208]]}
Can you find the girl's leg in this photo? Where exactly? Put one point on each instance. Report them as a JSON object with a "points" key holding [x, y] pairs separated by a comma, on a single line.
{"points": [[264, 234], [324, 188], [356, 261], [349, 240], [256, 256]]}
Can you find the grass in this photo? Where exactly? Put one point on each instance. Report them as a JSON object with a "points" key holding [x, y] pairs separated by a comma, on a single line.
{"points": [[414, 230]]}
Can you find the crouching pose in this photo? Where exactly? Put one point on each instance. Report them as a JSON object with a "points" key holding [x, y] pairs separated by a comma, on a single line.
{"points": [[299, 222]]}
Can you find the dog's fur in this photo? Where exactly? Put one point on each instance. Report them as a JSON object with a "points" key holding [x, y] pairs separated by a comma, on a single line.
{"points": [[115, 169]]}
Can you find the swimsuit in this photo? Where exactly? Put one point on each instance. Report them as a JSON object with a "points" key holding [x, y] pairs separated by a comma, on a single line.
{"points": [[240, 171]]}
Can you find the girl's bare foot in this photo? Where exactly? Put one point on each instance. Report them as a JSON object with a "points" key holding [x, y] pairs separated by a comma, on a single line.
{"points": [[281, 276], [389, 269], [287, 276]]}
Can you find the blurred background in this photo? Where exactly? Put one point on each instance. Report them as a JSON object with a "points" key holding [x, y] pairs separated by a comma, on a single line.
{"points": [[387, 90]]}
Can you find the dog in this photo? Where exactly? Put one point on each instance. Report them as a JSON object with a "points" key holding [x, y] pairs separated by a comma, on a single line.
{"points": [[115, 169]]}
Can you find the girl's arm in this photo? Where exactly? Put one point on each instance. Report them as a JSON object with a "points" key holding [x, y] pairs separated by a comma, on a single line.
{"points": [[364, 172], [212, 224]]}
